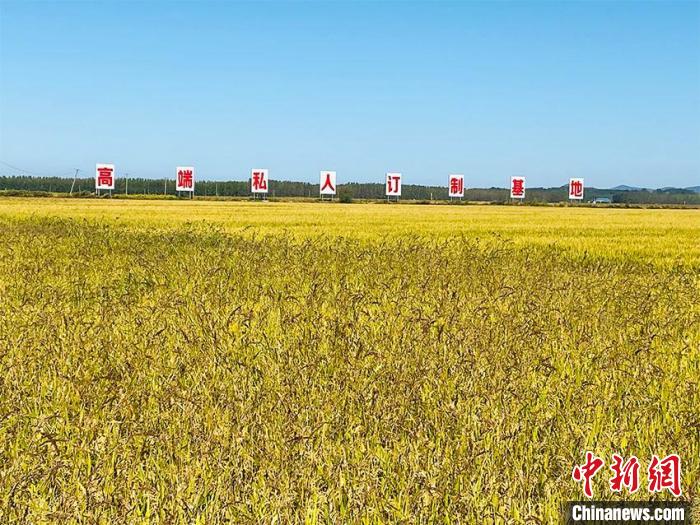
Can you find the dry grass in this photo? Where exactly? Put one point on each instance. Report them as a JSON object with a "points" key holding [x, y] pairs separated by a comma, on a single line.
{"points": [[154, 371]]}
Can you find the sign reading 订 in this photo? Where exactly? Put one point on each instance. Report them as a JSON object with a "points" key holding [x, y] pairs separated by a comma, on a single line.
{"points": [[576, 189], [517, 187], [258, 181], [104, 177], [456, 186], [327, 183], [184, 179], [393, 185]]}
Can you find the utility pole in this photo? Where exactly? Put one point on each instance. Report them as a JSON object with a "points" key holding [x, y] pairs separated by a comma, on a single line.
{"points": [[126, 181], [165, 187], [74, 177]]}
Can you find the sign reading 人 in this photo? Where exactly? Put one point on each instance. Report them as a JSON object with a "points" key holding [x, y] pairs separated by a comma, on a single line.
{"points": [[184, 179], [393, 185], [104, 177], [327, 183]]}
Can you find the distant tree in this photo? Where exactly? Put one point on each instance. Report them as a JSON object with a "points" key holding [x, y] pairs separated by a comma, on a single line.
{"points": [[355, 190]]}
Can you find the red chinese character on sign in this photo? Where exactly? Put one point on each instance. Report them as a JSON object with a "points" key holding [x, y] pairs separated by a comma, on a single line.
{"points": [[104, 176], [184, 179], [327, 183], [575, 188], [665, 474], [626, 475], [586, 472], [456, 185], [392, 183], [259, 182], [518, 188]]}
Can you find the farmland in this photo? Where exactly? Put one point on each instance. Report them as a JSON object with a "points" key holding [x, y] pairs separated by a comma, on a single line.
{"points": [[239, 362]]}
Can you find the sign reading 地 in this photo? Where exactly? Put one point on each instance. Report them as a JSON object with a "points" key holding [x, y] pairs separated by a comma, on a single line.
{"points": [[576, 189], [456, 186], [517, 187], [393, 185], [104, 176], [327, 183], [258, 181], [184, 179]]}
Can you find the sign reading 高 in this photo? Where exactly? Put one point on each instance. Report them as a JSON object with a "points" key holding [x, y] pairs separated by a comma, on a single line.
{"points": [[104, 177]]}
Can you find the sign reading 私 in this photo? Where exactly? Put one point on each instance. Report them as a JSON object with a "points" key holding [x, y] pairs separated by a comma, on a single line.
{"points": [[184, 179], [258, 181], [104, 177]]}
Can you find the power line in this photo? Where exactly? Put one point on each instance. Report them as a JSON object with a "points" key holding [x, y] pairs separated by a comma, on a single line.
{"points": [[31, 172]]}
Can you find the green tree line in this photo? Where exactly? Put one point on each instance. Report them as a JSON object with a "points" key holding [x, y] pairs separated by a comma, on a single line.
{"points": [[353, 190]]}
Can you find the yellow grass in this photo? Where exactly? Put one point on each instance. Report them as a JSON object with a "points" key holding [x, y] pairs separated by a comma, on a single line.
{"points": [[230, 362], [660, 235]]}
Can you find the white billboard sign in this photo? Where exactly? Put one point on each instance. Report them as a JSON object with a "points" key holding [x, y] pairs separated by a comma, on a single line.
{"points": [[327, 183], [104, 176], [517, 187], [393, 184], [576, 189], [456, 186], [184, 180], [258, 181]]}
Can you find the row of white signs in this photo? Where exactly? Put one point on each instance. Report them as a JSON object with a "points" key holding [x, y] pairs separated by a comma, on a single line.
{"points": [[259, 182]]}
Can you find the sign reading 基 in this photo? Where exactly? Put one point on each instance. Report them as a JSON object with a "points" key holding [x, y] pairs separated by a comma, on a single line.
{"points": [[517, 187]]}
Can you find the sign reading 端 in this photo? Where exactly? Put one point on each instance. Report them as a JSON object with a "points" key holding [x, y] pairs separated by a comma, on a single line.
{"points": [[184, 180]]}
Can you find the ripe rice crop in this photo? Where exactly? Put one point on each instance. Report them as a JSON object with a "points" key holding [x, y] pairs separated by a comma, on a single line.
{"points": [[241, 363]]}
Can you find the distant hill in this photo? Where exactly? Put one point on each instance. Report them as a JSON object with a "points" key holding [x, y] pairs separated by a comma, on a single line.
{"points": [[624, 187]]}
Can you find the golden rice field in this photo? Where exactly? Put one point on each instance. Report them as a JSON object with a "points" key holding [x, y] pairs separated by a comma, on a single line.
{"points": [[239, 362]]}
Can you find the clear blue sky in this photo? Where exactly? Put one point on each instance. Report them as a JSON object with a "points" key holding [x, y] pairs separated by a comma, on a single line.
{"points": [[609, 91]]}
